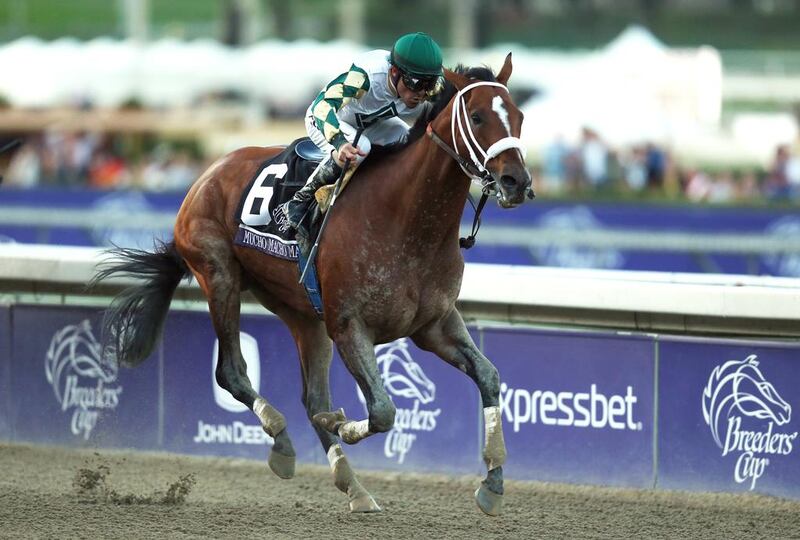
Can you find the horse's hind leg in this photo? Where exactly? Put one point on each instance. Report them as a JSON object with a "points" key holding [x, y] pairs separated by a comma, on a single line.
{"points": [[450, 339], [219, 275], [315, 350]]}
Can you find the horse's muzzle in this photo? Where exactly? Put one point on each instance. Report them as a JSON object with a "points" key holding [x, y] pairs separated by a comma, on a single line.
{"points": [[513, 188]]}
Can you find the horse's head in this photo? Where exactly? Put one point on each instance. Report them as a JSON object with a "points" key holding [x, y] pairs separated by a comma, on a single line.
{"points": [[755, 396], [485, 126]]}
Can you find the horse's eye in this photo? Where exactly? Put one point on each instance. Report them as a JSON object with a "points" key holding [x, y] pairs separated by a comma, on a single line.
{"points": [[476, 118]]}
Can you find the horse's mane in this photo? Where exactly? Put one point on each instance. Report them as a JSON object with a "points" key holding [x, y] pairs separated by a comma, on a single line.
{"points": [[441, 101]]}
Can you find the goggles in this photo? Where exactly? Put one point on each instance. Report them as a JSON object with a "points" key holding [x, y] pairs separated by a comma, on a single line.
{"points": [[419, 84]]}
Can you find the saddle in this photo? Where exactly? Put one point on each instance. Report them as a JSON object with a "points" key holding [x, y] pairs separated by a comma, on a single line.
{"points": [[262, 225]]}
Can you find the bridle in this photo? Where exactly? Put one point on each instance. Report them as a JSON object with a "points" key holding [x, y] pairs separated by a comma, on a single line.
{"points": [[474, 168]]}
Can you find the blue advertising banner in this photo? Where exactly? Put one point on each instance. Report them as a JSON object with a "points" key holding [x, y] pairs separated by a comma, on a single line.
{"points": [[437, 418], [5, 372], [726, 415], [576, 406], [202, 418], [65, 391]]}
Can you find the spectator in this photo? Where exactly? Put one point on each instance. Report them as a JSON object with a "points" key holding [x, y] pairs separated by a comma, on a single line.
{"points": [[80, 148], [698, 186], [722, 189], [777, 185], [634, 169], [108, 171], [25, 168], [594, 159], [656, 162], [554, 166], [180, 172], [747, 187]]}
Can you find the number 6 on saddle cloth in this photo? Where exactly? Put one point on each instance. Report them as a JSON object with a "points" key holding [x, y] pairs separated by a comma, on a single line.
{"points": [[262, 225]]}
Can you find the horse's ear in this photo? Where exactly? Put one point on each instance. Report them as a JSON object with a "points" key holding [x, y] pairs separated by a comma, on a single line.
{"points": [[458, 80], [505, 73]]}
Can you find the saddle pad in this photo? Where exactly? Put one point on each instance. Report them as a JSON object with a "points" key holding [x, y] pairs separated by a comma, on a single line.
{"points": [[262, 225]]}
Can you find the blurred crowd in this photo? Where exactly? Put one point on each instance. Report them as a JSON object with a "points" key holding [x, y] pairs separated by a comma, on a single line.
{"points": [[594, 167], [97, 161], [591, 167]]}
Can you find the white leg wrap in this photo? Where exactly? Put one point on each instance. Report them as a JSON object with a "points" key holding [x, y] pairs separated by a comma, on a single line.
{"points": [[259, 407], [353, 431], [272, 421], [343, 476], [494, 450], [335, 454]]}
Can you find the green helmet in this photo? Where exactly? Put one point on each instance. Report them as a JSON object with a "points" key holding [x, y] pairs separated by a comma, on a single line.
{"points": [[417, 54]]}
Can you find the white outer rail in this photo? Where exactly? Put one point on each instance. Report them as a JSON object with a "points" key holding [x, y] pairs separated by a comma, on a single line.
{"points": [[623, 300]]}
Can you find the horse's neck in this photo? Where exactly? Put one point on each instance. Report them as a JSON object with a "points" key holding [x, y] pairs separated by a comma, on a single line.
{"points": [[432, 192]]}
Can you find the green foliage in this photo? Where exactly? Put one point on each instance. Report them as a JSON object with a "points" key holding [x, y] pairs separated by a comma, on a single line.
{"points": [[576, 26], [86, 19], [51, 19]]}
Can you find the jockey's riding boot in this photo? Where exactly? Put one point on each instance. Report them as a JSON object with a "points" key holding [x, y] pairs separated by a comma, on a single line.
{"points": [[327, 172]]}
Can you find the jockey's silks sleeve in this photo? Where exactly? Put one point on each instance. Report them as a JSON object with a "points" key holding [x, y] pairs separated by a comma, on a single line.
{"points": [[353, 84]]}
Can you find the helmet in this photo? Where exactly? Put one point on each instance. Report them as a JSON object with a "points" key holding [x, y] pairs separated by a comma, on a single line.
{"points": [[418, 55]]}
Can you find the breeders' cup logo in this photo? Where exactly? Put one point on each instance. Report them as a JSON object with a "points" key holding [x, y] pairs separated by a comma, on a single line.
{"points": [[408, 385], [738, 397], [579, 218], [236, 432], [82, 377]]}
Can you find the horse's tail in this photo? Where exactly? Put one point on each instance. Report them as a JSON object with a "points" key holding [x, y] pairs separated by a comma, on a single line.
{"points": [[134, 321]]}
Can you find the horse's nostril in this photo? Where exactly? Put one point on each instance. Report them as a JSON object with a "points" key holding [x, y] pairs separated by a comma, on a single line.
{"points": [[508, 181]]}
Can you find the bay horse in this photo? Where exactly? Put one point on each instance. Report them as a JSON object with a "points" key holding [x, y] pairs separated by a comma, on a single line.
{"points": [[389, 266]]}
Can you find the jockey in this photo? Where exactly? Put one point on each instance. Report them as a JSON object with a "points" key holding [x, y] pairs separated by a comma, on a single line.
{"points": [[382, 94]]}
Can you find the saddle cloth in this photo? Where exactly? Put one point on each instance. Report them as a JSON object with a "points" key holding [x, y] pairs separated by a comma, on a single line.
{"points": [[262, 225]]}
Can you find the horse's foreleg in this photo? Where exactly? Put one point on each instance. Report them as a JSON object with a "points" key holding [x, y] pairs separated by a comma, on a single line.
{"points": [[358, 354], [315, 350], [449, 339], [219, 275]]}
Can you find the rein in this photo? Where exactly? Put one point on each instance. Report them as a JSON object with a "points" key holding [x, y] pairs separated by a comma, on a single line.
{"points": [[474, 169]]}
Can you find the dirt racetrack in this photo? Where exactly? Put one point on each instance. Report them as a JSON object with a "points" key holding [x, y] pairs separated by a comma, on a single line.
{"points": [[59, 493]]}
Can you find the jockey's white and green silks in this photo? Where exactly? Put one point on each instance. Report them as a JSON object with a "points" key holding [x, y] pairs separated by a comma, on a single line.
{"points": [[363, 97]]}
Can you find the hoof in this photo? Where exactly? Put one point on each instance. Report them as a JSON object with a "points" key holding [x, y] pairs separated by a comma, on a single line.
{"points": [[360, 499], [281, 465], [329, 421], [488, 501], [364, 503]]}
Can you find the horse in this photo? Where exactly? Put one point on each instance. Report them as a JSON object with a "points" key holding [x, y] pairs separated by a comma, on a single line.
{"points": [[389, 266]]}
